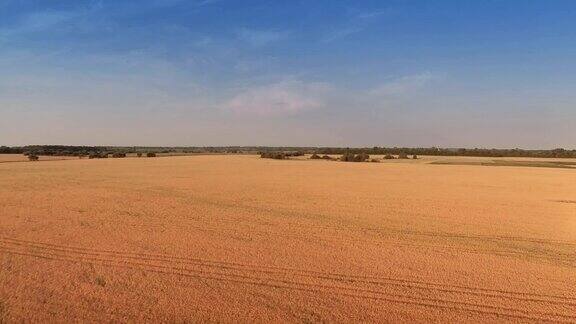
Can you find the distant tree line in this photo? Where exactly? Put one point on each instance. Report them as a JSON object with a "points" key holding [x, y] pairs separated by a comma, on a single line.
{"points": [[92, 152], [63, 150], [280, 155], [404, 151], [66, 150], [11, 150]]}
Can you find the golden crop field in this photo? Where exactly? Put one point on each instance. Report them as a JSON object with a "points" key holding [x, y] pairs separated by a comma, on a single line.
{"points": [[243, 239]]}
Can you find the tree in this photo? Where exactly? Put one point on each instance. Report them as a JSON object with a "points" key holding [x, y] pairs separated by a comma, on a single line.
{"points": [[274, 155], [350, 157], [347, 157], [362, 157]]}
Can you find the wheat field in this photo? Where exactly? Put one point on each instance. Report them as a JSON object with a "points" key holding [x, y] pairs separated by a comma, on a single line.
{"points": [[244, 239]]}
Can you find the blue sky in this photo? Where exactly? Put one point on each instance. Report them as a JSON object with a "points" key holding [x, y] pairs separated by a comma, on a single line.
{"points": [[489, 73]]}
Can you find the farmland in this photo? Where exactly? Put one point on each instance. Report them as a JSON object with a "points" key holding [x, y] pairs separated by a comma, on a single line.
{"points": [[232, 238], [5, 158]]}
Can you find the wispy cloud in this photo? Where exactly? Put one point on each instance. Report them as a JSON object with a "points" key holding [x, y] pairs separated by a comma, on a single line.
{"points": [[253, 65], [131, 8], [36, 22], [260, 37], [342, 33], [373, 14], [207, 2], [356, 23], [403, 85], [170, 3], [289, 97]]}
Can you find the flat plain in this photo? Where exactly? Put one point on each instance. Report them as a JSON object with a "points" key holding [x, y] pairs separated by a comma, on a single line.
{"points": [[243, 239], [6, 158]]}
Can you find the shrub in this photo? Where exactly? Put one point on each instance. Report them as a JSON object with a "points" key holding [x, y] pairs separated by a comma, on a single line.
{"points": [[374, 160], [415, 157], [362, 157], [119, 155], [139, 154], [349, 157], [280, 155], [33, 157], [315, 157], [150, 154], [94, 155], [402, 155], [327, 157], [389, 157], [273, 155]]}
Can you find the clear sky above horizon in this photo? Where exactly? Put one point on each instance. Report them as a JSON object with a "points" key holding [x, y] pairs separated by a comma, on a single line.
{"points": [[461, 73]]}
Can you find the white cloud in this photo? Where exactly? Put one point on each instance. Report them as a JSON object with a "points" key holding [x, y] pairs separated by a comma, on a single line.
{"points": [[207, 2], [260, 37], [36, 22], [355, 24], [403, 85], [171, 3], [128, 83], [283, 98], [373, 14], [342, 33], [292, 97]]}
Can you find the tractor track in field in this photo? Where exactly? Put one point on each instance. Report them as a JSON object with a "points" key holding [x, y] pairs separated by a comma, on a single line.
{"points": [[379, 288], [545, 250]]}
